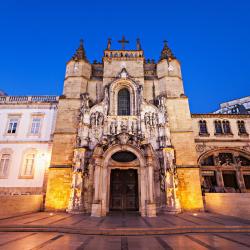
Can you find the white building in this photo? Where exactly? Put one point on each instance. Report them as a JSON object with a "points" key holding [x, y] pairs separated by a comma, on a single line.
{"points": [[237, 106], [26, 128]]}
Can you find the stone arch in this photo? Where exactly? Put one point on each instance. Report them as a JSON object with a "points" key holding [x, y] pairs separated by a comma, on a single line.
{"points": [[102, 180], [9, 152], [26, 153], [223, 150], [115, 87], [116, 148]]}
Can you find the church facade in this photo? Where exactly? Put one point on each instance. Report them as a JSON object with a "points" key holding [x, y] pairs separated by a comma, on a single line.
{"points": [[123, 138], [125, 126]]}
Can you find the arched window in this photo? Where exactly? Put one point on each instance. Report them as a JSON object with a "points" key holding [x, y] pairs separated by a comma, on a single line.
{"points": [[226, 127], [123, 102], [218, 127], [203, 127], [28, 164], [4, 165], [241, 127], [209, 161]]}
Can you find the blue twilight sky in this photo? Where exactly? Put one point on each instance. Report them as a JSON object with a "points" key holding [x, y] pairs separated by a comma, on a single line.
{"points": [[210, 38]]}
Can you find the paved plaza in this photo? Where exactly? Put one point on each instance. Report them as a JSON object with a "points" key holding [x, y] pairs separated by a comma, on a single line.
{"points": [[124, 231]]}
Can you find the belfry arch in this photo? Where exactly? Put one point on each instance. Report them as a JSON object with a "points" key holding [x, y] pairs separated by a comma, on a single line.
{"points": [[104, 164]]}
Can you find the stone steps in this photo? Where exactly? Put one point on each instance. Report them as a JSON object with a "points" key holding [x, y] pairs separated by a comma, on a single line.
{"points": [[126, 231]]}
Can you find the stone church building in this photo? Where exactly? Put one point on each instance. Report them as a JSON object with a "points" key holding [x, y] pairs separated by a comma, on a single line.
{"points": [[125, 139], [126, 128]]}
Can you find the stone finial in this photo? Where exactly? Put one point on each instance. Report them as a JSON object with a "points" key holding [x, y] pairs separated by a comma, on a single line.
{"points": [[166, 52], [80, 53], [109, 44], [138, 44]]}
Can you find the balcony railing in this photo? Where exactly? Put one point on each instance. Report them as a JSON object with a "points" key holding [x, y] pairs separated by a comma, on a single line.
{"points": [[28, 99]]}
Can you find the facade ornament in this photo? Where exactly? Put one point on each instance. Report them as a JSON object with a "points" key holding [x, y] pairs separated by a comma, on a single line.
{"points": [[96, 119], [173, 203], [112, 128], [80, 53], [109, 44], [200, 148], [123, 138], [124, 127], [85, 103], [138, 44], [166, 52]]}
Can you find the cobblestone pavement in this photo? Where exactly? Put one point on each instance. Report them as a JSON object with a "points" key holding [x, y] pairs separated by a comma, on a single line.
{"points": [[118, 231]]}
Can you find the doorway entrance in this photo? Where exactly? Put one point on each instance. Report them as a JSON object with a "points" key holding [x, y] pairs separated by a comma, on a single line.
{"points": [[124, 190]]}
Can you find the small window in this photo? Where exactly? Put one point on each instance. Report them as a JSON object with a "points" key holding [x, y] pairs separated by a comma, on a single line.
{"points": [[244, 161], [123, 102], [218, 127], [12, 125], [247, 181], [203, 127], [230, 181], [29, 164], [241, 127], [226, 127], [209, 161], [226, 158], [35, 126], [4, 165]]}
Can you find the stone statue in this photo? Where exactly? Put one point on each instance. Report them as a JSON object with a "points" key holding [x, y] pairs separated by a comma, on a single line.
{"points": [[93, 120], [106, 100], [109, 44], [138, 44], [112, 128], [100, 118]]}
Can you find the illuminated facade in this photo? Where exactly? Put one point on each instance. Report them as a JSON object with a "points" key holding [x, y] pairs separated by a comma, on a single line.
{"points": [[123, 139], [27, 124]]}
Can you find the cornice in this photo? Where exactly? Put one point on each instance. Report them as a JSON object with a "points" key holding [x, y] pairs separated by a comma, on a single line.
{"points": [[221, 140], [232, 116]]}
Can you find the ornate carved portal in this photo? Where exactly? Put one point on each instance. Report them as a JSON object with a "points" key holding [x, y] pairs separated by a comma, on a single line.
{"points": [[133, 179]]}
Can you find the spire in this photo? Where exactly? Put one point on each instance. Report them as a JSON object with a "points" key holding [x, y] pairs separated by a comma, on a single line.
{"points": [[80, 53], [166, 52], [109, 44], [138, 44]]}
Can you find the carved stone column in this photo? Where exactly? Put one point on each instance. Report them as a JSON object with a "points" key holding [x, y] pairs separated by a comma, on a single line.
{"points": [[219, 178], [151, 205], [171, 185], [75, 200], [240, 180], [97, 204]]}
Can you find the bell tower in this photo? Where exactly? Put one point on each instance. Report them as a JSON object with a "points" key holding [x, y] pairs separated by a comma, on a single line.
{"points": [[181, 131], [78, 72]]}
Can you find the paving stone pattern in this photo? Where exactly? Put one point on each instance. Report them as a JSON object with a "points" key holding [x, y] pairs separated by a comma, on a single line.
{"points": [[57, 240]]}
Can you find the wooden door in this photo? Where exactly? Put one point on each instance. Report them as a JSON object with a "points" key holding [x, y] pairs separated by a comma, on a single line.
{"points": [[124, 190]]}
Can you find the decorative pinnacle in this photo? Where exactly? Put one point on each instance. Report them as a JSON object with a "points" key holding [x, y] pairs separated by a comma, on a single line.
{"points": [[80, 52], [138, 44], [166, 52], [109, 43]]}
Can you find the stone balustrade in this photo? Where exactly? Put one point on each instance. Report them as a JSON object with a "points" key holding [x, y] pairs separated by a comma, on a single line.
{"points": [[27, 99], [124, 54]]}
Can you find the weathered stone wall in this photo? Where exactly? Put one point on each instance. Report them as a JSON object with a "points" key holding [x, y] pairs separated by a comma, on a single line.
{"points": [[233, 204], [182, 139], [12, 205], [58, 189], [189, 190]]}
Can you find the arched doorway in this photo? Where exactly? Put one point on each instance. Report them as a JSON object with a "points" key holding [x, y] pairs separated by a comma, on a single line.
{"points": [[142, 166], [123, 182]]}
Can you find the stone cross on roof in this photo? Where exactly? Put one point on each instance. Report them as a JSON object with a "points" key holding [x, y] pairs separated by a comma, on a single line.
{"points": [[123, 42]]}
